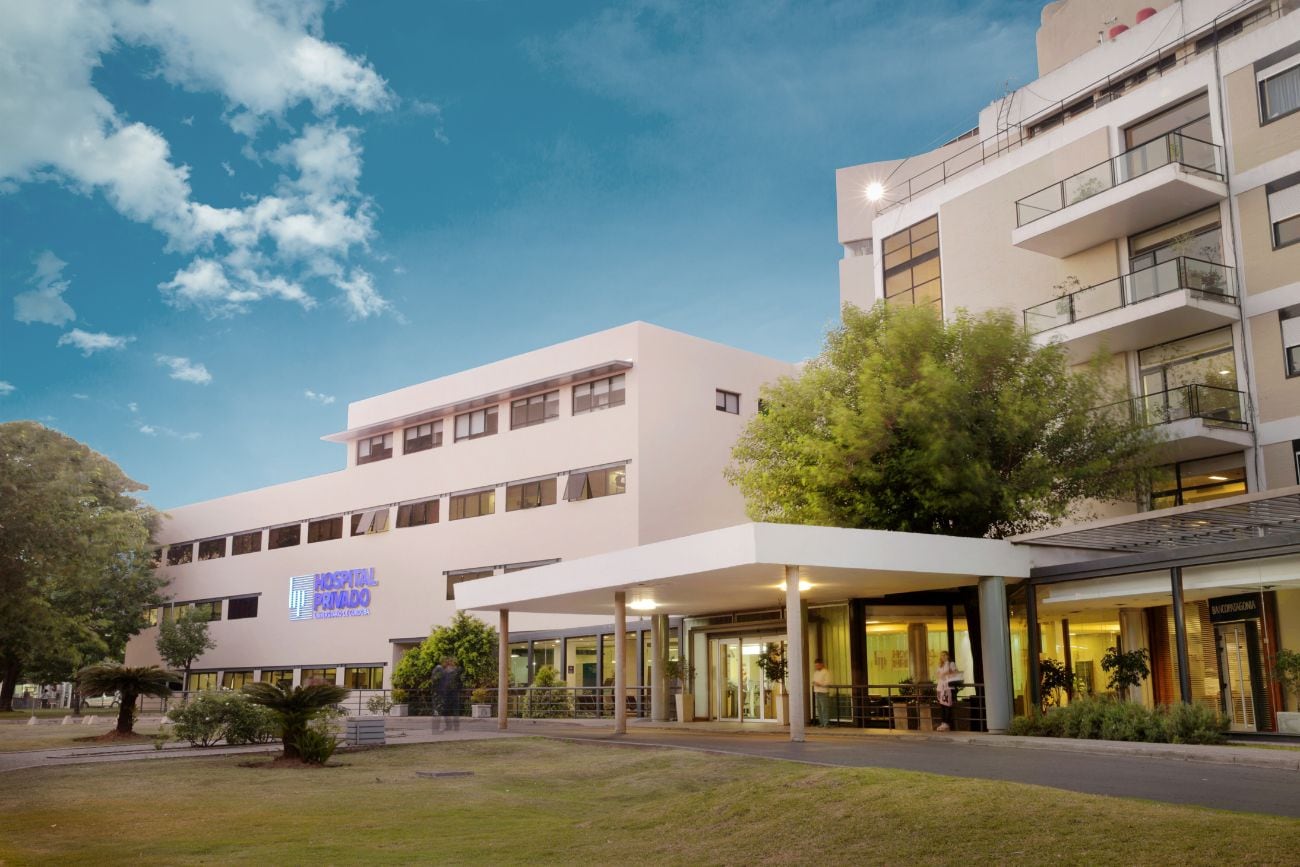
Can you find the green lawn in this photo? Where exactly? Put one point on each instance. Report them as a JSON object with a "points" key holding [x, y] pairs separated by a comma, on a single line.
{"points": [[539, 801]]}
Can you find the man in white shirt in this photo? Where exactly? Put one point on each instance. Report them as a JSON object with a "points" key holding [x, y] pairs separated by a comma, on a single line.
{"points": [[821, 685]]}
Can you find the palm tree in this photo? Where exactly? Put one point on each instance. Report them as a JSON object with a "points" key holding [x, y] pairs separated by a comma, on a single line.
{"points": [[294, 707], [129, 683]]}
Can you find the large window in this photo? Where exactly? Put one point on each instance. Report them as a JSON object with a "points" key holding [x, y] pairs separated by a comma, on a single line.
{"points": [[209, 610], [1197, 481], [180, 554], [376, 448], [417, 514], [1289, 318], [596, 482], [1284, 210], [1279, 92], [461, 575], [1196, 237], [241, 608], [370, 521], [421, 437], [325, 529], [319, 675], [530, 495], [727, 401], [601, 394], [282, 677], [363, 677], [285, 537], [911, 263], [246, 543], [472, 505], [1190, 118], [212, 549], [202, 681], [236, 679], [1201, 359], [479, 423], [533, 410]]}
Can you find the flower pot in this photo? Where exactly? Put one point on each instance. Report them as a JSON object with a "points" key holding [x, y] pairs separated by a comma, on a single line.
{"points": [[685, 707], [783, 709], [481, 711]]}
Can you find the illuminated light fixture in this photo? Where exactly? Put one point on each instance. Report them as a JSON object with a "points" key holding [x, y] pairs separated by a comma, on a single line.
{"points": [[803, 585], [1218, 478], [875, 191], [642, 602], [1224, 372]]}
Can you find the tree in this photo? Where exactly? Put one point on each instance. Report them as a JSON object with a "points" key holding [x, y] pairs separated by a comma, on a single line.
{"points": [[184, 639], [129, 683], [1055, 678], [468, 640], [294, 707], [1127, 670], [966, 428], [76, 571]]}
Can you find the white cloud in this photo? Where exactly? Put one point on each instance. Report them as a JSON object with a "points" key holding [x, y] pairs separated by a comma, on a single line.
{"points": [[7, 388], [133, 407], [157, 430], [184, 369], [188, 120], [359, 295], [148, 430], [79, 396], [45, 303], [90, 342], [322, 399], [230, 172]]}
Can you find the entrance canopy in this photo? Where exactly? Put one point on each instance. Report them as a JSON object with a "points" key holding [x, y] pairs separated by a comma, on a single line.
{"points": [[743, 567]]}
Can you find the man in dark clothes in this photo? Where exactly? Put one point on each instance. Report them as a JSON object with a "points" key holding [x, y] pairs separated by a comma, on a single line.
{"points": [[447, 684]]}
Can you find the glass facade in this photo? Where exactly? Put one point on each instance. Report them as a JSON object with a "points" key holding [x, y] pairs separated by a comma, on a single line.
{"points": [[911, 263]]}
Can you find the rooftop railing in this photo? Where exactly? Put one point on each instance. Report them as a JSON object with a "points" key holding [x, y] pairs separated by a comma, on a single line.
{"points": [[1210, 279], [1200, 157]]}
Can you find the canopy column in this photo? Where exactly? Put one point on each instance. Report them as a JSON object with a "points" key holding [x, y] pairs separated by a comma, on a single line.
{"points": [[995, 638], [1180, 635], [503, 667], [620, 663], [794, 655], [658, 661]]}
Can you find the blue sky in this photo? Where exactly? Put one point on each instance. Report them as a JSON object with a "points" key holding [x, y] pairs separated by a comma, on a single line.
{"points": [[219, 223]]}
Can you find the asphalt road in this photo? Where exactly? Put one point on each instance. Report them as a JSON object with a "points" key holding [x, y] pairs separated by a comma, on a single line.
{"points": [[1219, 786]]}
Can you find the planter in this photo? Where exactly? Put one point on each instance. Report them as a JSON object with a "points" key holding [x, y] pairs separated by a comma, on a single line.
{"points": [[400, 710], [480, 711], [685, 707], [926, 714], [783, 709], [902, 718], [1288, 722]]}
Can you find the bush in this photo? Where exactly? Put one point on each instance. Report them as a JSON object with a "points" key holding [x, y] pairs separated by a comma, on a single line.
{"points": [[548, 699], [379, 705], [1111, 720], [1197, 724], [213, 717], [315, 746]]}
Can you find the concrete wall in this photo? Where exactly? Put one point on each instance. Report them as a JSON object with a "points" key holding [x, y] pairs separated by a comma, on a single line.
{"points": [[1277, 396], [1264, 267], [1071, 28], [1279, 466], [1254, 144]]}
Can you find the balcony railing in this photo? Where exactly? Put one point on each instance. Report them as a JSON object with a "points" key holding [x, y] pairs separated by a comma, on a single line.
{"points": [[1214, 281], [1222, 406], [1192, 154]]}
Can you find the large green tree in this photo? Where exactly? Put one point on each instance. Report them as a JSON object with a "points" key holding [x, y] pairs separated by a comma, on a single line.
{"points": [[183, 639], [75, 567], [967, 428], [468, 640]]}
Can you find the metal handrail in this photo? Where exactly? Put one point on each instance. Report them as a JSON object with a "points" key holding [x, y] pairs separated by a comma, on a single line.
{"points": [[1153, 281], [1213, 403], [906, 706]]}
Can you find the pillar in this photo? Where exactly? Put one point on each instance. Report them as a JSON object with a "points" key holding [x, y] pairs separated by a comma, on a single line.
{"points": [[794, 655], [503, 668], [995, 641], [1180, 636], [658, 677], [1035, 647], [620, 663]]}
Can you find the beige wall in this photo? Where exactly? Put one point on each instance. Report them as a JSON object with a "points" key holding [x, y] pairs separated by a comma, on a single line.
{"points": [[982, 270], [1265, 268], [1069, 28], [1278, 396], [1279, 467], [1252, 144]]}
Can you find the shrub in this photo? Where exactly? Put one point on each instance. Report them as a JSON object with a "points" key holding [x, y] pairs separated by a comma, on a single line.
{"points": [[379, 705], [548, 699], [1197, 724], [316, 746], [247, 723], [213, 717], [1125, 721], [1111, 720]]}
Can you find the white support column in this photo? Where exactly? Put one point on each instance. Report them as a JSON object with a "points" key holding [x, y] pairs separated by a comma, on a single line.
{"points": [[995, 641], [503, 668], [794, 655], [620, 663], [658, 655]]}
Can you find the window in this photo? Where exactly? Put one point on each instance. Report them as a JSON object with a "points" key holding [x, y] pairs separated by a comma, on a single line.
{"points": [[472, 505], [318, 675], [156, 557], [376, 448], [530, 495], [151, 616], [597, 482], [1289, 317], [911, 263], [479, 423], [363, 677], [202, 681], [421, 437], [370, 521], [212, 549], [209, 610], [236, 679], [285, 537], [533, 410], [1284, 210], [601, 394], [454, 578], [728, 401], [1279, 94], [279, 676], [247, 543], [1197, 481], [417, 514], [178, 555], [241, 608], [1191, 118], [1295, 446], [325, 529]]}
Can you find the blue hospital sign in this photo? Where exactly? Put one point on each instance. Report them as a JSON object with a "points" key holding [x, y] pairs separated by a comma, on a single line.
{"points": [[325, 595]]}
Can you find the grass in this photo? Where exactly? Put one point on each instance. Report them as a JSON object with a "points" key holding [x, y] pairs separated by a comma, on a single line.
{"points": [[15, 737], [539, 801]]}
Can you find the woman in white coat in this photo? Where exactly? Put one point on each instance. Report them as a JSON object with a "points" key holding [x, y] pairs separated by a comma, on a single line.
{"points": [[944, 677]]}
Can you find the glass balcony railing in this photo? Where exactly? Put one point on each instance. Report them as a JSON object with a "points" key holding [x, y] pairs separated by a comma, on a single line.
{"points": [[1212, 280], [1224, 406], [1175, 147]]}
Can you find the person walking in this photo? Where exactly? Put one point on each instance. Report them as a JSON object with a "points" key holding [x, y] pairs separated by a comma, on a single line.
{"points": [[821, 685], [943, 677], [449, 683]]}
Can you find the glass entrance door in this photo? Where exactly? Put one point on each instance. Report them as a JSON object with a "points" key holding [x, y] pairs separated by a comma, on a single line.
{"points": [[1234, 668], [741, 692], [761, 695], [726, 678]]}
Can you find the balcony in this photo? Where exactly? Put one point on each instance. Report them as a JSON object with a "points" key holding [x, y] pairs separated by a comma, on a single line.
{"points": [[1200, 420], [1152, 305], [1151, 184]]}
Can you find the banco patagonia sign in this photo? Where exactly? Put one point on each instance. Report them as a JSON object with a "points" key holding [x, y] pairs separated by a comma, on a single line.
{"points": [[324, 595]]}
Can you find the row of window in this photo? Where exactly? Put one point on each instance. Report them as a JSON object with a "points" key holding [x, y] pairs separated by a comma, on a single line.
{"points": [[354, 677], [524, 412], [237, 608], [459, 576], [588, 484]]}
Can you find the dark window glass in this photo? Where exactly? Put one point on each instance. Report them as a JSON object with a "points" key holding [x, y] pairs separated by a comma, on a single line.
{"points": [[728, 401], [601, 394], [247, 543], [370, 521], [376, 448], [590, 484], [157, 556], [911, 263], [472, 505], [533, 410], [1279, 95], [1289, 319], [236, 679], [178, 555], [417, 514], [421, 437], [454, 578], [285, 537], [241, 608], [318, 675], [479, 423], [278, 676], [1197, 481], [210, 610], [325, 529], [530, 495], [212, 549], [363, 677]]}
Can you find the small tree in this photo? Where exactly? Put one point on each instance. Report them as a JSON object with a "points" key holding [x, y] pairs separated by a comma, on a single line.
{"points": [[468, 640], [1055, 678], [183, 640], [129, 683], [1286, 671], [1127, 670], [294, 708], [773, 663]]}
